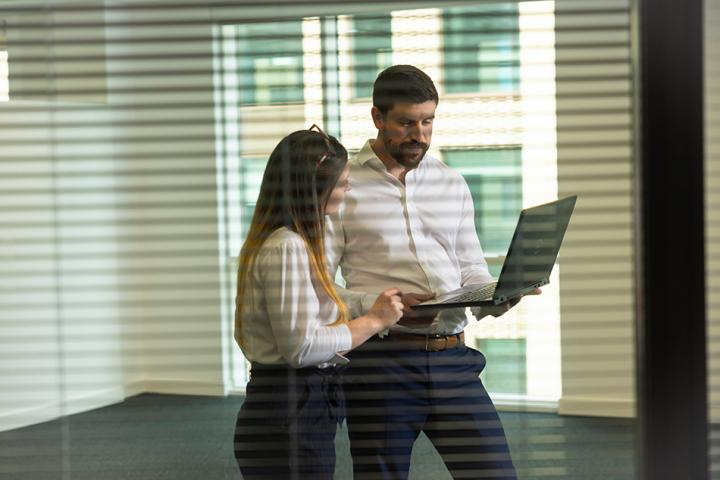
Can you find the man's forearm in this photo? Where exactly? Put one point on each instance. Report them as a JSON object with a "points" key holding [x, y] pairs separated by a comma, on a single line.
{"points": [[357, 302]]}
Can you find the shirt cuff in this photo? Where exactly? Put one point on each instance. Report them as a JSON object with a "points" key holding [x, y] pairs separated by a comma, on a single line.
{"points": [[344, 338], [339, 360]]}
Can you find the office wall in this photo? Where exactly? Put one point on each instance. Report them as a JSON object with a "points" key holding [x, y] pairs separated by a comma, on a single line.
{"points": [[61, 333], [29, 375], [160, 88], [110, 282]]}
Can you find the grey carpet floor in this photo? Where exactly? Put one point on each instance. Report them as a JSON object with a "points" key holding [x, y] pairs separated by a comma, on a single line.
{"points": [[169, 437]]}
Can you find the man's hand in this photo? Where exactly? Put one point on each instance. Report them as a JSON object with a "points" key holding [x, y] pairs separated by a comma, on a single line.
{"points": [[499, 310], [412, 319]]}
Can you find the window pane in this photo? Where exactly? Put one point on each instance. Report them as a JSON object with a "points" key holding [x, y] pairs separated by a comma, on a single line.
{"points": [[495, 181], [372, 51], [251, 173], [509, 372], [270, 59], [481, 47]]}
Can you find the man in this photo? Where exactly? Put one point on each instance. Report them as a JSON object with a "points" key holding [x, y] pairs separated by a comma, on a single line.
{"points": [[409, 222]]}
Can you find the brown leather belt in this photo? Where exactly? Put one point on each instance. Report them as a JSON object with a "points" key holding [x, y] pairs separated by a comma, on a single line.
{"points": [[428, 343]]}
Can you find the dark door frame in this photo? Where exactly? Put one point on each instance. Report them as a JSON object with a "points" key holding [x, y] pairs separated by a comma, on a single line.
{"points": [[671, 337]]}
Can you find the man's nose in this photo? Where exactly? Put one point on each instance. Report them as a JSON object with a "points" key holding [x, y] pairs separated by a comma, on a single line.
{"points": [[418, 134]]}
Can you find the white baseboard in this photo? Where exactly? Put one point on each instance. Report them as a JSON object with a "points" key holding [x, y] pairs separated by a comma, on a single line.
{"points": [[524, 404], [133, 388], [594, 407], [91, 401], [183, 387], [45, 412], [22, 417]]}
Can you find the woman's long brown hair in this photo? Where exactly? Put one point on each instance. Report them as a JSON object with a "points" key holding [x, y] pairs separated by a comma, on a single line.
{"points": [[299, 177]]}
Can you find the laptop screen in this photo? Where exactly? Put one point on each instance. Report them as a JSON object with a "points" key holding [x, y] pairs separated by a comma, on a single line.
{"points": [[534, 247]]}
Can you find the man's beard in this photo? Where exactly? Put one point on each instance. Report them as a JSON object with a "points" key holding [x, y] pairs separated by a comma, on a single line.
{"points": [[407, 154]]}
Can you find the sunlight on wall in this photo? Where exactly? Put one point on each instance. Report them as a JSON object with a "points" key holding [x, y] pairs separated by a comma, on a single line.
{"points": [[4, 82]]}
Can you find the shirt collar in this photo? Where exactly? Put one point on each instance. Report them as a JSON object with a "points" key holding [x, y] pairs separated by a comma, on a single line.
{"points": [[366, 154]]}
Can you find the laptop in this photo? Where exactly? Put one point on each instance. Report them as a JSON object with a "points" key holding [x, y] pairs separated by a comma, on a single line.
{"points": [[530, 259]]}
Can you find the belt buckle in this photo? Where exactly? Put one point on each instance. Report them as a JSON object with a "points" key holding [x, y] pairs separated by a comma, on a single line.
{"points": [[435, 336]]}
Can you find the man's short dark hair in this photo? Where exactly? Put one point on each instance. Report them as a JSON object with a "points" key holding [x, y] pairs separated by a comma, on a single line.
{"points": [[402, 84]]}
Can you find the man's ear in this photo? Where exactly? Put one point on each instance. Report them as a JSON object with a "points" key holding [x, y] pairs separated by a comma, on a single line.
{"points": [[377, 117]]}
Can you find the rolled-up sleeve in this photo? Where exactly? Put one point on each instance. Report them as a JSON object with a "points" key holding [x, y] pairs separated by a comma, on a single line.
{"points": [[303, 338]]}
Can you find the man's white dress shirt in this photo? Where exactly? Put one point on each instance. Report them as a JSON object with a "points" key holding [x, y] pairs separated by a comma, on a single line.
{"points": [[419, 237], [286, 313]]}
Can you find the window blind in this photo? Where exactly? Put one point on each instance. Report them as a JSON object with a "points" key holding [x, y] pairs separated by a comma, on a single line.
{"points": [[595, 160], [135, 135]]}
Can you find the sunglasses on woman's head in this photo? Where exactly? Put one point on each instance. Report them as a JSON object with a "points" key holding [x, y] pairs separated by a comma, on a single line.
{"points": [[328, 151]]}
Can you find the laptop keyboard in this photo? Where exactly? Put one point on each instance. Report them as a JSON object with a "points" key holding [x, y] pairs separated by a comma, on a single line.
{"points": [[485, 293]]}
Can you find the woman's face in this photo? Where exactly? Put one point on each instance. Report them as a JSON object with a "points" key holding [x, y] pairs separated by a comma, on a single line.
{"points": [[337, 195]]}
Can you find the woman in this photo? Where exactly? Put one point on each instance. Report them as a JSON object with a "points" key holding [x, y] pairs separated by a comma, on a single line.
{"points": [[289, 320]]}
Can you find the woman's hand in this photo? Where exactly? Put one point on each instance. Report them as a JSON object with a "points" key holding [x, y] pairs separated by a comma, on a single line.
{"points": [[384, 313], [388, 308]]}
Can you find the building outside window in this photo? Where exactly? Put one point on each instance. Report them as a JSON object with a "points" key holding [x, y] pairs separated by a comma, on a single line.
{"points": [[372, 51], [270, 57], [507, 356], [481, 48], [494, 176], [495, 180], [251, 173]]}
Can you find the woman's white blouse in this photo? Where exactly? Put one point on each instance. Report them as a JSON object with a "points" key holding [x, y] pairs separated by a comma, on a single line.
{"points": [[286, 314]]}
